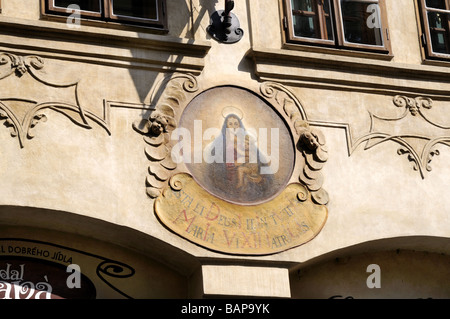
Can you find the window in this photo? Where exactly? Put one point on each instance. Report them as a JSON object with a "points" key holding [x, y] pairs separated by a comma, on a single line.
{"points": [[143, 12], [355, 24], [435, 20]]}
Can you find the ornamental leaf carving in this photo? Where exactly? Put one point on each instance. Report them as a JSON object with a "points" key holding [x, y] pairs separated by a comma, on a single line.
{"points": [[22, 115], [310, 142], [157, 128], [418, 143], [20, 64], [413, 105]]}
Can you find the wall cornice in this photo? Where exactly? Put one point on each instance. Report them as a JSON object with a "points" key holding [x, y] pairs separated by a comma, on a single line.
{"points": [[103, 46], [312, 69]]}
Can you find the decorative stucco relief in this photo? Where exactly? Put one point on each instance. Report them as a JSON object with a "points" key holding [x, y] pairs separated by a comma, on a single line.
{"points": [[156, 129], [415, 130], [310, 141], [26, 95], [232, 206]]}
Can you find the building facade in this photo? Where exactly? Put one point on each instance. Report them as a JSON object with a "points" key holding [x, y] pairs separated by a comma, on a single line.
{"points": [[117, 118]]}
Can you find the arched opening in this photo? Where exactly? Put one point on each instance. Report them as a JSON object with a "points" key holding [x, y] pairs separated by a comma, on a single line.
{"points": [[403, 267], [49, 254]]}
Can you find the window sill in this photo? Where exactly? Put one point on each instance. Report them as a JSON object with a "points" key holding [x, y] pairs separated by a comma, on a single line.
{"points": [[126, 26], [105, 46], [343, 72], [442, 62], [350, 52]]}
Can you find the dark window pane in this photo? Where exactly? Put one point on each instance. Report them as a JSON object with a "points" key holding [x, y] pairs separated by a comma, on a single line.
{"points": [[143, 9], [328, 17], [85, 5], [305, 27], [362, 24], [330, 33], [303, 5], [312, 19], [304, 16], [439, 32], [438, 4]]}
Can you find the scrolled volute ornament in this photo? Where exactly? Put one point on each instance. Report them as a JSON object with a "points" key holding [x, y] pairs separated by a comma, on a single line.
{"points": [[156, 130], [167, 97], [414, 105], [311, 144], [157, 124], [21, 64]]}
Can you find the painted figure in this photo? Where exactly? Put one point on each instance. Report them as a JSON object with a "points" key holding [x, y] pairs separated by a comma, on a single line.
{"points": [[236, 164]]}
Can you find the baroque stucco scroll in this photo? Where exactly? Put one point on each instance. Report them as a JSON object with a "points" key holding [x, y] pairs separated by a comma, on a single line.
{"points": [[185, 198], [310, 141], [27, 95], [414, 130], [157, 128]]}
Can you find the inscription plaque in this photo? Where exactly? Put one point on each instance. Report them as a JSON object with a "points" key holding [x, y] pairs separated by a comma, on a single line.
{"points": [[289, 220]]}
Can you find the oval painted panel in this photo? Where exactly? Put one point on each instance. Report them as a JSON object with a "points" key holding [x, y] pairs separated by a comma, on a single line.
{"points": [[236, 146]]}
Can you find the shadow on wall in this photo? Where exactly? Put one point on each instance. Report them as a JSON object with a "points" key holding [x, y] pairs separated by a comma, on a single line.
{"points": [[26, 220], [191, 16], [414, 267], [114, 262]]}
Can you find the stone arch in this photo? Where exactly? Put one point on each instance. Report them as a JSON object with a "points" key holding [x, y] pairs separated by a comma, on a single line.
{"points": [[412, 267], [119, 261]]}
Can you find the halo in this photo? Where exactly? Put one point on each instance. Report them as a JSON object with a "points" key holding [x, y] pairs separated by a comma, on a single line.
{"points": [[232, 110]]}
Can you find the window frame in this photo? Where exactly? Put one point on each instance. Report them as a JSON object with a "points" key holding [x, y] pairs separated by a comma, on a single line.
{"points": [[290, 24], [106, 14], [339, 41], [51, 8], [426, 37], [160, 10]]}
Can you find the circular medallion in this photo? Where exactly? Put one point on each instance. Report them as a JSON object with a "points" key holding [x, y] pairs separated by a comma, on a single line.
{"points": [[236, 146]]}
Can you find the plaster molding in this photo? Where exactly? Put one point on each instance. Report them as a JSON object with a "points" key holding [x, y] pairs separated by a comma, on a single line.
{"points": [[419, 143], [173, 91], [294, 194], [412, 87], [310, 141], [357, 74], [103, 46], [156, 129], [21, 115]]}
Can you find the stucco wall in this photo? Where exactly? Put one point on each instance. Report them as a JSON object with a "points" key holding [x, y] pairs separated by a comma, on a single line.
{"points": [[91, 162]]}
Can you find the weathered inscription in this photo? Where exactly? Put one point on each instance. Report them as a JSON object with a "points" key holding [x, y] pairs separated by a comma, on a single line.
{"points": [[289, 220]]}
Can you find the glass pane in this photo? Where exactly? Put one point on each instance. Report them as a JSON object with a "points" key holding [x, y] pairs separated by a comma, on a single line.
{"points": [[362, 22], [328, 22], [85, 5], [304, 16], [303, 5], [143, 9], [439, 32], [330, 33], [305, 27], [439, 4]]}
